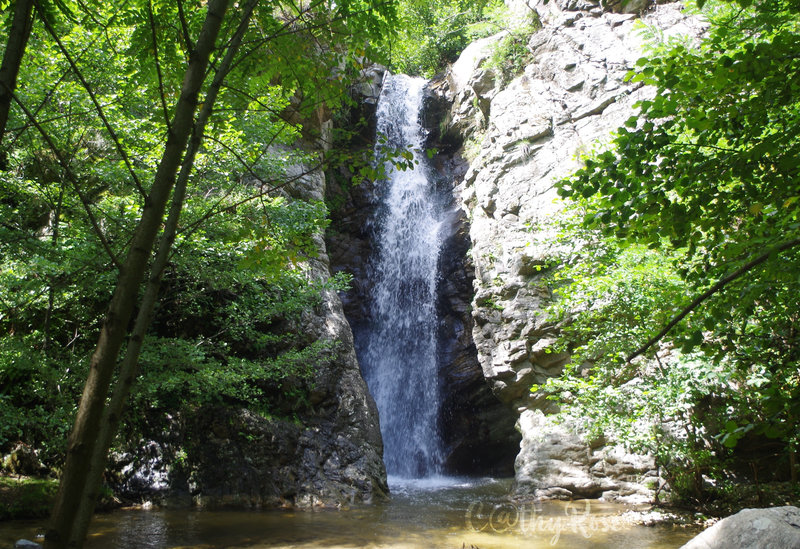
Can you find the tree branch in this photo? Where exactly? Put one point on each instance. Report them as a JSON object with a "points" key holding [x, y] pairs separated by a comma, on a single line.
{"points": [[711, 291], [73, 179], [12, 58], [187, 38], [93, 97], [129, 368], [158, 64]]}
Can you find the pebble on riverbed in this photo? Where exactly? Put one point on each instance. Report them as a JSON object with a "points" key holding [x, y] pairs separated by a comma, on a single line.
{"points": [[26, 544]]}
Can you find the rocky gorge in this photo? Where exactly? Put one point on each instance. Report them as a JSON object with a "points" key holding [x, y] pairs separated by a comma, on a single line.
{"points": [[501, 146], [502, 142], [530, 133]]}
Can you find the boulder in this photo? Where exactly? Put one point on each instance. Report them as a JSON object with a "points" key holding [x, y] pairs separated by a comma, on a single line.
{"points": [[22, 460], [556, 463], [774, 528], [26, 544]]}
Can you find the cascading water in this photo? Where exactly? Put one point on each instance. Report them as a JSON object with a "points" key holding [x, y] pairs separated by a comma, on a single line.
{"points": [[399, 350]]}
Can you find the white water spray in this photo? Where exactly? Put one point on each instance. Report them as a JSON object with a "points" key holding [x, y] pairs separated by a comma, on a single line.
{"points": [[399, 356]]}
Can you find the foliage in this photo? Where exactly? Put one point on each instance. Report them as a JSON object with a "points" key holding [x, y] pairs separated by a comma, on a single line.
{"points": [[710, 162], [610, 298], [511, 55], [98, 83], [699, 186], [26, 497], [432, 34]]}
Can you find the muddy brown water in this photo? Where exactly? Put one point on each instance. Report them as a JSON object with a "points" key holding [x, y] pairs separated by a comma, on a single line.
{"points": [[443, 513]]}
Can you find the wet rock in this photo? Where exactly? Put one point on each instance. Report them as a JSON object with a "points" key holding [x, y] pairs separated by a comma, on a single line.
{"points": [[774, 528], [269, 462], [477, 429]]}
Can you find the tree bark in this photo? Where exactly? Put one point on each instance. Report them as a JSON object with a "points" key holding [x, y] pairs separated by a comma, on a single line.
{"points": [[129, 368], [12, 59], [78, 470]]}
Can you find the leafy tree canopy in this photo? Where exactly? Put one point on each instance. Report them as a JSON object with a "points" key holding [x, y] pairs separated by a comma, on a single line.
{"points": [[87, 127], [704, 176], [434, 33]]}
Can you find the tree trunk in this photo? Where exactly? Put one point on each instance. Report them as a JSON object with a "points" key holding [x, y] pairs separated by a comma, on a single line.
{"points": [[78, 470], [130, 364], [12, 59]]}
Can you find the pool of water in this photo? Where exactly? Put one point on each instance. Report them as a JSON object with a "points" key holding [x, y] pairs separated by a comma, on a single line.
{"points": [[434, 513]]}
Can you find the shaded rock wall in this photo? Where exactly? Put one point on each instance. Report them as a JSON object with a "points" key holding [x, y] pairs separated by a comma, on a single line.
{"points": [[524, 137], [477, 430], [330, 454]]}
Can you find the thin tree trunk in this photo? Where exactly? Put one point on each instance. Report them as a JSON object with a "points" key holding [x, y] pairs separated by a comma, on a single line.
{"points": [[129, 368], [12, 59], [78, 470], [51, 292]]}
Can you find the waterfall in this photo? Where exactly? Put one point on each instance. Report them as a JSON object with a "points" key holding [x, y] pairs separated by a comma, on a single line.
{"points": [[398, 353]]}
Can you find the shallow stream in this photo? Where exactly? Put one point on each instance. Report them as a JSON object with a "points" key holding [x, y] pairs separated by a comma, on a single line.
{"points": [[443, 513]]}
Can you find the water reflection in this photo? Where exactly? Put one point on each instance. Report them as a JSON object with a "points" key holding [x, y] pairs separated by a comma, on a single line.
{"points": [[429, 513]]}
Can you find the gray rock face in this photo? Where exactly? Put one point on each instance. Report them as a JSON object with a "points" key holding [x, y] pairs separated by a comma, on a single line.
{"points": [[530, 134], [238, 458], [477, 430], [569, 98], [554, 462], [774, 528], [330, 455]]}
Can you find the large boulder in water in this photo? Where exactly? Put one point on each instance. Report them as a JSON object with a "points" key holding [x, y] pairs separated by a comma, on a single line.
{"points": [[775, 528]]}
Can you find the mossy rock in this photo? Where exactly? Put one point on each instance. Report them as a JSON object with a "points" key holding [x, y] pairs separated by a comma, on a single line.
{"points": [[25, 497]]}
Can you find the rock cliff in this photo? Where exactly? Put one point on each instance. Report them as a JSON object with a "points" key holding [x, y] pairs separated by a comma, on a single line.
{"points": [[522, 137], [329, 453]]}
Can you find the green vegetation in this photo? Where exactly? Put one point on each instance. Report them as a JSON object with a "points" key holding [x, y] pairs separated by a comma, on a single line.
{"points": [[511, 54], [26, 497], [687, 343], [148, 151], [432, 34]]}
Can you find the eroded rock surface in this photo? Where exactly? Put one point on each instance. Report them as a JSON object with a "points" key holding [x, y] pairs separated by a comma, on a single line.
{"points": [[524, 137]]}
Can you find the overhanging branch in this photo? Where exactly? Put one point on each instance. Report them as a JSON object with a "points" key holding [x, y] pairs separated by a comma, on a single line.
{"points": [[711, 291]]}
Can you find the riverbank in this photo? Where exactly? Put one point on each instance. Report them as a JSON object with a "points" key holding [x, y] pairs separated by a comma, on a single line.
{"points": [[24, 497], [446, 514]]}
